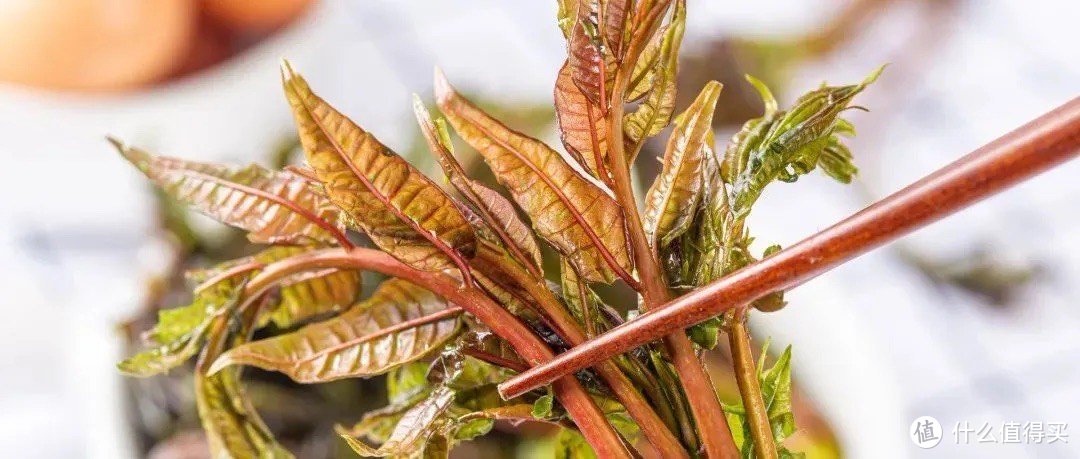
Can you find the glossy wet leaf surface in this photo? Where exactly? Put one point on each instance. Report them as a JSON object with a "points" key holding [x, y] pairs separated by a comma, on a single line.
{"points": [[793, 143], [252, 198], [656, 109], [582, 125], [399, 208], [413, 430], [311, 293], [398, 324], [495, 210], [573, 214], [672, 201]]}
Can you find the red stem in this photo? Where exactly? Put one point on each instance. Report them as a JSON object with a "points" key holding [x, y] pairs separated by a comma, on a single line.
{"points": [[567, 327], [704, 405], [1029, 150], [587, 416], [228, 273]]}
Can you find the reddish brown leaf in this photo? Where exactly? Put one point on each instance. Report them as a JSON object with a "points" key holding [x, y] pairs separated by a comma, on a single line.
{"points": [[589, 69], [581, 124], [615, 13], [275, 207], [575, 215], [494, 210], [403, 212]]}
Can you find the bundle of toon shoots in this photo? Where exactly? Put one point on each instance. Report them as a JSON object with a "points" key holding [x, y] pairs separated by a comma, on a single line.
{"points": [[469, 301]]}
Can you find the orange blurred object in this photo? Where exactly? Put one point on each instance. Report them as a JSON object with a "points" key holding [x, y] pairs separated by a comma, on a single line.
{"points": [[93, 45], [254, 16]]}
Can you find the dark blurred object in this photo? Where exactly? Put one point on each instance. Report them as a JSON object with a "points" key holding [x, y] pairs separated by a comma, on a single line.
{"points": [[211, 45], [189, 444], [983, 272], [771, 60]]}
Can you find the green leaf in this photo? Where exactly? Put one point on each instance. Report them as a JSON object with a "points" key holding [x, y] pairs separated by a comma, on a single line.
{"points": [[569, 444], [406, 386], [400, 209], [773, 301], [404, 383], [398, 324], [302, 295], [771, 107], [655, 111], [542, 406], [274, 207], [413, 430], [707, 333], [232, 426], [175, 323], [181, 332], [694, 258], [642, 78], [473, 428], [619, 418], [581, 300], [776, 393], [672, 200], [165, 357], [577, 217], [836, 161], [793, 143], [567, 16]]}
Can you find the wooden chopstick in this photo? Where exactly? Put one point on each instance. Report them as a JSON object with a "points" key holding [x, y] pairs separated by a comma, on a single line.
{"points": [[1041, 144]]}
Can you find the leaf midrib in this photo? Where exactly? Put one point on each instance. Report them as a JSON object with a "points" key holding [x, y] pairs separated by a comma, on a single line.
{"points": [[600, 247]]}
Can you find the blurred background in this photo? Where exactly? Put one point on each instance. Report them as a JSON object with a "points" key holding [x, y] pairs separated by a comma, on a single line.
{"points": [[972, 321]]}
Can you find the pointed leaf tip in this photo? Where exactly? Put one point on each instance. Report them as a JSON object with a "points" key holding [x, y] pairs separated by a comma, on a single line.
{"points": [[116, 143], [423, 116], [443, 89], [287, 69], [137, 157], [418, 103], [713, 88], [766, 95], [873, 76]]}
